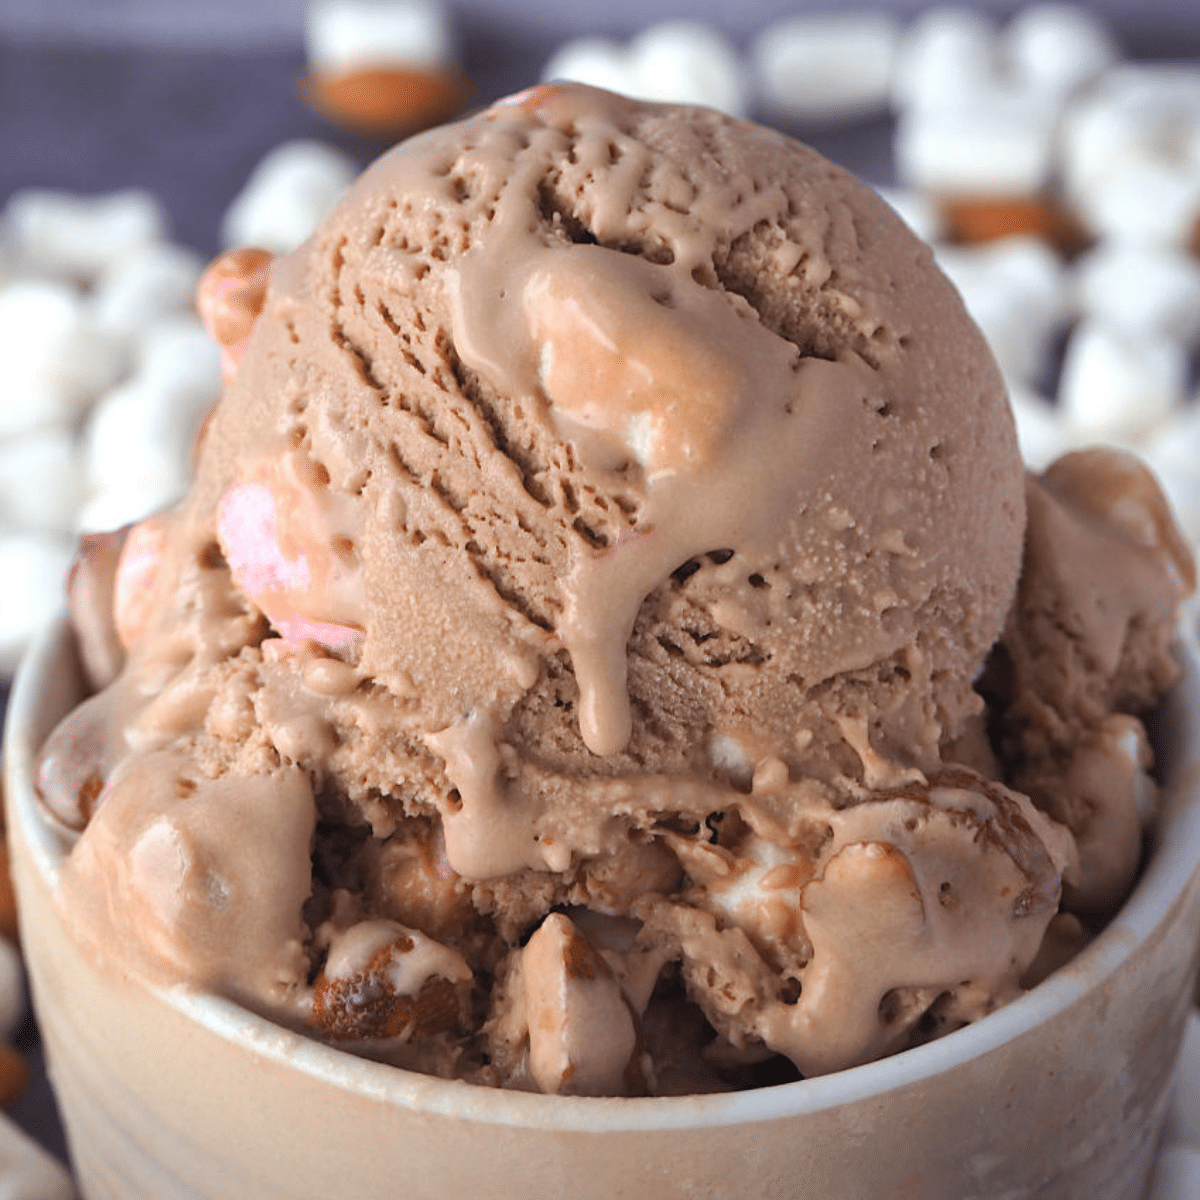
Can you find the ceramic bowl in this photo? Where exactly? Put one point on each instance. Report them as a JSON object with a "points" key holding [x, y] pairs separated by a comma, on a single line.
{"points": [[168, 1094]]}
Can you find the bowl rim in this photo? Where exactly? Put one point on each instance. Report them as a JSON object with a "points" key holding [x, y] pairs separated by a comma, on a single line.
{"points": [[1173, 862]]}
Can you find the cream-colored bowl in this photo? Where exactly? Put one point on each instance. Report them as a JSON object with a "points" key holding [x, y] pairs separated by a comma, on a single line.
{"points": [[169, 1094]]}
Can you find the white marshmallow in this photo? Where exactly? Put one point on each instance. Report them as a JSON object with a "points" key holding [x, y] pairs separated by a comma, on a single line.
{"points": [[1130, 153], [287, 196], [178, 358], [688, 63], [30, 1173], [1118, 388], [1039, 431], [1014, 289], [41, 483], [34, 569], [1141, 290], [139, 442], [1147, 203], [55, 358], [150, 283], [64, 234], [676, 61], [13, 1005], [1055, 48], [918, 210], [598, 62], [996, 142], [352, 35], [945, 56], [821, 68]]}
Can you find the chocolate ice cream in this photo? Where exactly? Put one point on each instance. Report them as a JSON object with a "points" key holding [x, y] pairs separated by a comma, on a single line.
{"points": [[563, 674]]}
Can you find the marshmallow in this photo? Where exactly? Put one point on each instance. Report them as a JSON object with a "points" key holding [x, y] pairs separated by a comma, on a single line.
{"points": [[1147, 203], [993, 142], [349, 35], [945, 56], [685, 62], [178, 358], [1119, 388], [677, 61], [287, 196], [55, 358], [1056, 48], [30, 1173], [34, 570], [152, 282], [1141, 291], [40, 483], [917, 210], [1040, 432], [64, 234], [138, 444], [1131, 154], [12, 990], [824, 68], [1014, 289], [598, 62]]}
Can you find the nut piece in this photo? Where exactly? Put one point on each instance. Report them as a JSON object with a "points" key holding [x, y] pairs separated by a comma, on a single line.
{"points": [[581, 1033], [382, 980]]}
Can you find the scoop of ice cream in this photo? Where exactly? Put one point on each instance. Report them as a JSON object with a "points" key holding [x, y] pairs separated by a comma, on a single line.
{"points": [[1086, 652], [610, 513]]}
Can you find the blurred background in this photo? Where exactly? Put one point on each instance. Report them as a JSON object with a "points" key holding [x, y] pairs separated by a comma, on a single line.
{"points": [[1051, 154]]}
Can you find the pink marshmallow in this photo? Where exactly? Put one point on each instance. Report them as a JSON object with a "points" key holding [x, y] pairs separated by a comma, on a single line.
{"points": [[271, 532]]}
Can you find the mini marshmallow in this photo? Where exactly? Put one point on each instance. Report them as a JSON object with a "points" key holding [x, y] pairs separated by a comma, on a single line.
{"points": [[34, 569], [676, 61], [29, 1171], [598, 62], [826, 68], [1118, 388], [1040, 432], [1014, 289], [352, 35], [1141, 290], [1056, 48], [150, 283], [177, 357], [1135, 117], [64, 234], [1149, 202], [55, 358], [138, 444], [688, 63], [994, 142], [919, 211], [12, 990], [40, 483], [946, 55], [287, 196]]}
